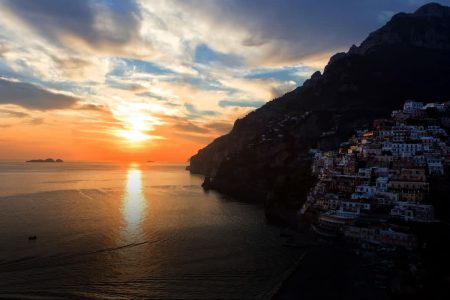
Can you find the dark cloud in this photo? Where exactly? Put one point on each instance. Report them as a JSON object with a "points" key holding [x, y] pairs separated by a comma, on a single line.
{"points": [[190, 127], [32, 96], [72, 67], [118, 84], [80, 18], [243, 103], [182, 124], [12, 113], [151, 95], [300, 28], [36, 121], [3, 49], [92, 106], [193, 112], [222, 127]]}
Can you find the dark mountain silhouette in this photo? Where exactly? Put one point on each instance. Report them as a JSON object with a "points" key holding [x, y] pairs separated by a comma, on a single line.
{"points": [[264, 157]]}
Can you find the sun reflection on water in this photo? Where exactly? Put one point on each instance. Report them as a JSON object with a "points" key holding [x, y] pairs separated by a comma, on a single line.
{"points": [[134, 205]]}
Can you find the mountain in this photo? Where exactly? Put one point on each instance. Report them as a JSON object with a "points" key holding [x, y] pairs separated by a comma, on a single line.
{"points": [[265, 155]]}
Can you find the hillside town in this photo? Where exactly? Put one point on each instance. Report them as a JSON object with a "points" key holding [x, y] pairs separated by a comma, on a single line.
{"points": [[377, 185]]}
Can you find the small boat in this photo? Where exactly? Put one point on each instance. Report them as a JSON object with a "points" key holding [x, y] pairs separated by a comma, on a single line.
{"points": [[32, 238]]}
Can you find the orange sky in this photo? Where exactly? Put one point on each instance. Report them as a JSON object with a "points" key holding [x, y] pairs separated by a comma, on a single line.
{"points": [[157, 80], [73, 136]]}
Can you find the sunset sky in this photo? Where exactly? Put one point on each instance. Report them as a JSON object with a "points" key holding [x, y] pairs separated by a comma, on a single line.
{"points": [[157, 80]]}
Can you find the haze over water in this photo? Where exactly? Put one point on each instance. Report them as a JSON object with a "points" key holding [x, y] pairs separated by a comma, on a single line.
{"points": [[138, 230]]}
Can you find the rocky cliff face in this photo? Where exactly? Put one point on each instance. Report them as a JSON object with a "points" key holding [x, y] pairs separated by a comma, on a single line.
{"points": [[264, 157]]}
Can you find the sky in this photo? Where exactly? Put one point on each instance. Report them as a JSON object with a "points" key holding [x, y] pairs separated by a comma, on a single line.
{"points": [[158, 80]]}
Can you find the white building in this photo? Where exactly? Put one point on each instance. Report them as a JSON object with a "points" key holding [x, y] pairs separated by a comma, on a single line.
{"points": [[435, 166], [412, 106], [436, 131], [438, 106], [382, 184], [354, 206], [417, 132], [386, 198], [364, 172], [364, 192], [413, 212], [379, 236], [419, 160], [403, 149]]}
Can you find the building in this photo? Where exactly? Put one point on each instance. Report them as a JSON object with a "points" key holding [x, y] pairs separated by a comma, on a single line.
{"points": [[379, 237], [438, 106], [412, 106], [413, 212], [379, 177], [382, 184], [385, 198], [345, 183], [435, 166], [407, 174], [403, 149], [364, 191], [332, 223], [354, 206]]}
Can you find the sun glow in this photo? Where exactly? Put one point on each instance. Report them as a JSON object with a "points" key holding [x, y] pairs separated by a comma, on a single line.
{"points": [[134, 205], [133, 135], [136, 128]]}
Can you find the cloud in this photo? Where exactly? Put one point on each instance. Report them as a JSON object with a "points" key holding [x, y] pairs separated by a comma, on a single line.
{"points": [[36, 121], [125, 66], [100, 25], [80, 68], [32, 96], [284, 32], [297, 73], [194, 65], [151, 95], [72, 67], [226, 103], [190, 127], [193, 112], [206, 55], [220, 127], [12, 113], [3, 49], [92, 107]]}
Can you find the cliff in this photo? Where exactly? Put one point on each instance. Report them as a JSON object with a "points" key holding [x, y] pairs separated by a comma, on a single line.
{"points": [[265, 156]]}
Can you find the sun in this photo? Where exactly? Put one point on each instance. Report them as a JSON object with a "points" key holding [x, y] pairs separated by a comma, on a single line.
{"points": [[135, 129], [134, 135], [137, 126]]}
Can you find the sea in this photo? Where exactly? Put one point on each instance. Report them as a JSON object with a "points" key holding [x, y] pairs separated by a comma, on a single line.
{"points": [[140, 230]]}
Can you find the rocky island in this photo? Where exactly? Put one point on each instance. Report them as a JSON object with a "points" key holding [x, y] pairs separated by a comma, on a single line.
{"points": [[48, 160]]}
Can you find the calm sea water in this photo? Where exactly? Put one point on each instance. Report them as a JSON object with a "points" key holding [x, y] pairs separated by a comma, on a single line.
{"points": [[111, 231]]}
